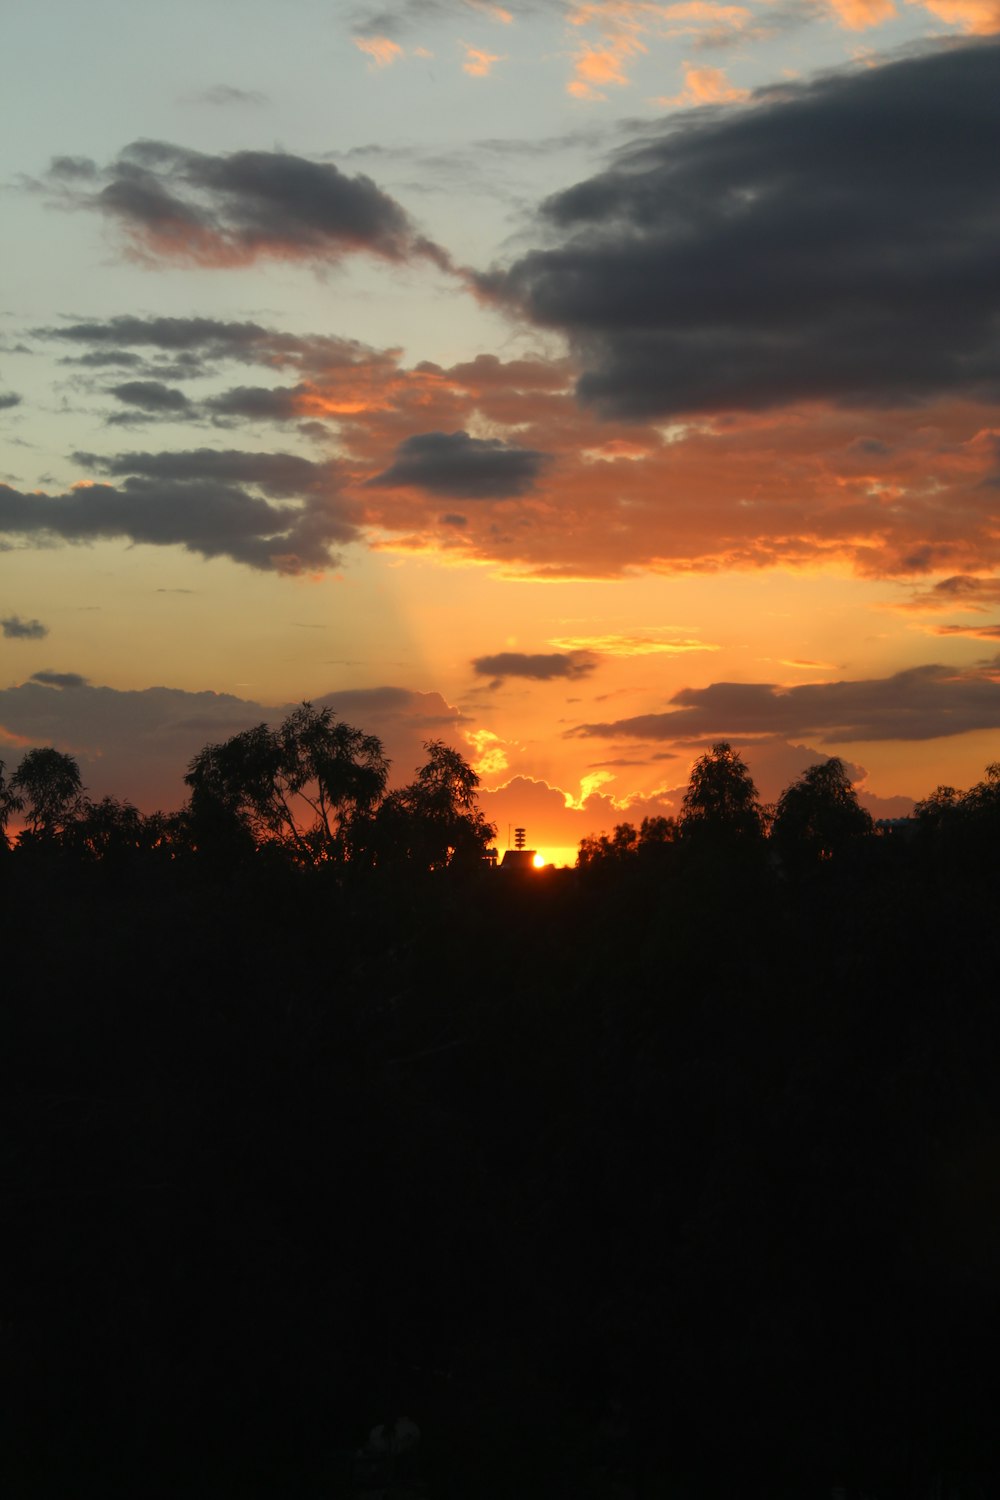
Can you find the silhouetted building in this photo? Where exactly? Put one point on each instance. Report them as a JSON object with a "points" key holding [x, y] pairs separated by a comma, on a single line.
{"points": [[519, 858]]}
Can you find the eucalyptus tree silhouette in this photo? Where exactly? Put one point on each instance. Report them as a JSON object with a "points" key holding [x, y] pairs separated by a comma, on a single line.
{"points": [[433, 823], [49, 789], [297, 785]]}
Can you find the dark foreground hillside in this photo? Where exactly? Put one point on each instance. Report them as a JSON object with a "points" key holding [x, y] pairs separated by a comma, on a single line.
{"points": [[680, 1181]]}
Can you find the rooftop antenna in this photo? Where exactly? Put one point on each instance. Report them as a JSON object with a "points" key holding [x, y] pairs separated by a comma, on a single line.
{"points": [[520, 838]]}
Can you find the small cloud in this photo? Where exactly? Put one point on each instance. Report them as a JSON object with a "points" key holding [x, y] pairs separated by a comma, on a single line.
{"points": [[539, 667], [380, 49], [479, 64], [614, 451], [191, 208], [862, 15], [16, 629], [59, 679], [151, 396], [962, 591], [495, 12], [597, 66], [9, 399], [979, 632], [464, 467], [642, 643], [705, 86], [491, 756], [73, 168], [224, 94], [977, 17]]}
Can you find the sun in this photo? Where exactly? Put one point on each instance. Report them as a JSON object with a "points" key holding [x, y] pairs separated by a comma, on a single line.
{"points": [[539, 861]]}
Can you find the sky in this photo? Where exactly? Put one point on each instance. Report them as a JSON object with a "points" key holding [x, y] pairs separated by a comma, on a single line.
{"points": [[578, 383]]}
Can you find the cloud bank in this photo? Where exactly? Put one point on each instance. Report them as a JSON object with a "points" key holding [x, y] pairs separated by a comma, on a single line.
{"points": [[926, 702], [833, 241], [202, 500]]}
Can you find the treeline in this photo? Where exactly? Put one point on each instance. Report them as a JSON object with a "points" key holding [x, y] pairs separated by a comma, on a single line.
{"points": [[312, 792], [672, 1177]]}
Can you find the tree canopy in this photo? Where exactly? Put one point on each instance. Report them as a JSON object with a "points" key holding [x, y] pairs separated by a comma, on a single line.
{"points": [[434, 822], [298, 784], [48, 787], [819, 815], [721, 801]]}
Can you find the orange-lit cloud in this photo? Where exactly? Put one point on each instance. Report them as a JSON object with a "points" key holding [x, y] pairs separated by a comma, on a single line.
{"points": [[556, 819], [479, 63], [614, 450], [979, 632], [490, 753], [495, 12], [861, 15], [893, 493], [652, 642], [963, 593], [621, 30], [705, 86], [600, 65], [380, 49], [976, 17]]}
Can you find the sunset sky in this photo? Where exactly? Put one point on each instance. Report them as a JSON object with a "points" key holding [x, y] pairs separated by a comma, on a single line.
{"points": [[579, 383]]}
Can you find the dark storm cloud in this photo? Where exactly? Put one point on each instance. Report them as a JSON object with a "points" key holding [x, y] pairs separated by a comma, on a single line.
{"points": [[9, 399], [833, 241], [919, 704], [464, 467], [16, 629], [203, 501], [152, 396], [539, 667], [226, 210], [59, 679]]}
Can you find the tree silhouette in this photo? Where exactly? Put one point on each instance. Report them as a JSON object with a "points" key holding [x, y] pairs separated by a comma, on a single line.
{"points": [[298, 785], [49, 788], [432, 823], [627, 845], [819, 817], [115, 830], [721, 802], [10, 803]]}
